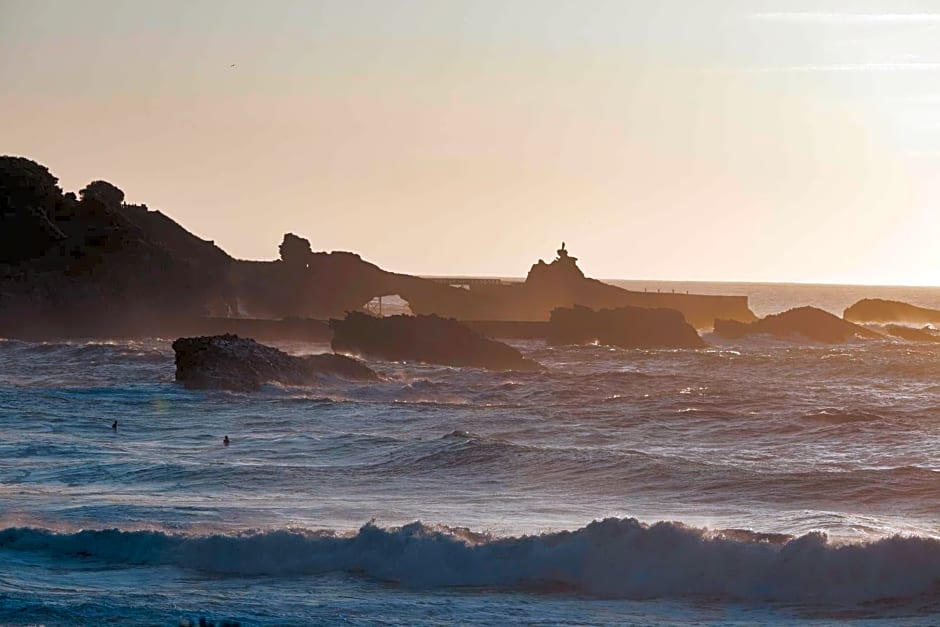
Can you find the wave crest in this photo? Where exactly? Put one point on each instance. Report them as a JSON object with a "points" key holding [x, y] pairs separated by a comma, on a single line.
{"points": [[613, 558]]}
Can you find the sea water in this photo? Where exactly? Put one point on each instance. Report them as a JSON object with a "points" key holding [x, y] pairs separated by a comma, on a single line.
{"points": [[749, 482]]}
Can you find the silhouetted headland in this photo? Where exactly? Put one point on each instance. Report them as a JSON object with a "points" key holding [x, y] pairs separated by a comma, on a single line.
{"points": [[801, 323], [877, 310], [232, 363], [94, 266], [428, 339], [628, 327], [561, 283], [91, 264]]}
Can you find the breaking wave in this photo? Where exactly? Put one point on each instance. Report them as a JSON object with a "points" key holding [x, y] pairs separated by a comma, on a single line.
{"points": [[613, 558]]}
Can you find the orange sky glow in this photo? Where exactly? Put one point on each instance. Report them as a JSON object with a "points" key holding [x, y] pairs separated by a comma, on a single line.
{"points": [[737, 140]]}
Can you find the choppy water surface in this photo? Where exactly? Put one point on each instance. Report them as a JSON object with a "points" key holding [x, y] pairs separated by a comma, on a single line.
{"points": [[787, 470]]}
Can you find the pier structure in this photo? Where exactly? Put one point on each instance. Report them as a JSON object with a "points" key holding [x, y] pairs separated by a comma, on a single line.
{"points": [[466, 282]]}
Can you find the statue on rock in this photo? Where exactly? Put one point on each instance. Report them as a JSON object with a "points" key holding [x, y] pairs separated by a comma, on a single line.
{"points": [[563, 255], [564, 269]]}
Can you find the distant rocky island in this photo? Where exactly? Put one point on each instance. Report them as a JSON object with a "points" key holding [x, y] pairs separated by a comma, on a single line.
{"points": [[801, 323], [878, 310], [91, 264], [561, 283]]}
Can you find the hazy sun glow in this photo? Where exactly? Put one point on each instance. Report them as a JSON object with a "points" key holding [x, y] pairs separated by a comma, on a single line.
{"points": [[766, 141]]}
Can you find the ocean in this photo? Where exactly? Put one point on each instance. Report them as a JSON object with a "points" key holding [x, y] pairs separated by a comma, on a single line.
{"points": [[752, 482]]}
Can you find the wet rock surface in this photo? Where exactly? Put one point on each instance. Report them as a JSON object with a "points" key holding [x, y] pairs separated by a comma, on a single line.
{"points": [[230, 362]]}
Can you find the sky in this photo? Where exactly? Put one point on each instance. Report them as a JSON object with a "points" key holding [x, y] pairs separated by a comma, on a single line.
{"points": [[756, 140]]}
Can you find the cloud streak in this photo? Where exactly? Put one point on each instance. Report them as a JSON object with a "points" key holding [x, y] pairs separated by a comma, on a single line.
{"points": [[847, 18], [832, 67]]}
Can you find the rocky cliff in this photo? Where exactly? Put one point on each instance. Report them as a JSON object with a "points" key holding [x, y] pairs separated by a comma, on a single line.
{"points": [[90, 261]]}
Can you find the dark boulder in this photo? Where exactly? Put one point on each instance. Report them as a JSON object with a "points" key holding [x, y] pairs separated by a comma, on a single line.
{"points": [[230, 362], [807, 323], [427, 339], [628, 327]]}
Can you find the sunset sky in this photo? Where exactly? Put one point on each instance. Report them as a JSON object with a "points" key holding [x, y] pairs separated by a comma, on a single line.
{"points": [[754, 140]]}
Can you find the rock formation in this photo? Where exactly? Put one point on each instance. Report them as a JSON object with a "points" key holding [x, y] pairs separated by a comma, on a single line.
{"points": [[877, 310], [910, 334], [628, 327], [428, 339], [320, 285], [562, 284], [802, 323], [306, 284], [229, 362], [93, 265]]}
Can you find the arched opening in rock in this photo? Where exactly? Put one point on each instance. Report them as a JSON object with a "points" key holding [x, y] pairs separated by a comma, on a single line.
{"points": [[387, 305]]}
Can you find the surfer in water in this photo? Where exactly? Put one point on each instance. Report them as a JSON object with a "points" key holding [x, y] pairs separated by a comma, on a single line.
{"points": [[226, 441], [114, 426]]}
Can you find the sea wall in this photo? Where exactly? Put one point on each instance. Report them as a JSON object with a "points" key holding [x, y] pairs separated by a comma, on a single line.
{"points": [[700, 310], [297, 329]]}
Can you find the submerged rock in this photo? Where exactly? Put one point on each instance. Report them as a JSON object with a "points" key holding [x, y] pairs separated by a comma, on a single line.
{"points": [[801, 323], [880, 310], [230, 362], [910, 334], [428, 339], [629, 327]]}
